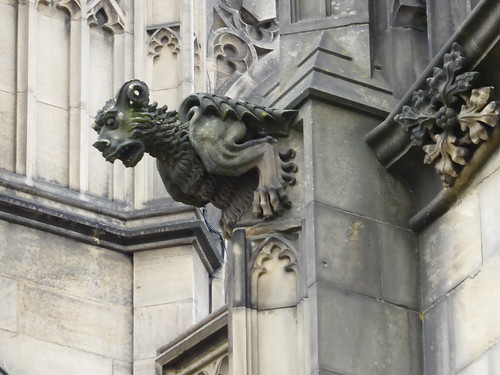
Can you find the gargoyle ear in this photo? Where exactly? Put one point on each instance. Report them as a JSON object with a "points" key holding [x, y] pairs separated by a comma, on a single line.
{"points": [[133, 93]]}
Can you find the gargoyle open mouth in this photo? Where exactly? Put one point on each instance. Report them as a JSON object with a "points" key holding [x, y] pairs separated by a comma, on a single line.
{"points": [[129, 153]]}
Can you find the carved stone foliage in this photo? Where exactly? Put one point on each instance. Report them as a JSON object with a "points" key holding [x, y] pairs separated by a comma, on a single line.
{"points": [[242, 35], [164, 36], [107, 15], [275, 275], [214, 149], [451, 118]]}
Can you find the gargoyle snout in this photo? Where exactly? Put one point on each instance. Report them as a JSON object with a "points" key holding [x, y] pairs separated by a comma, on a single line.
{"points": [[102, 144]]}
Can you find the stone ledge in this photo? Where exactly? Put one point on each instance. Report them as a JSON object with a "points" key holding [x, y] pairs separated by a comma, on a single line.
{"points": [[103, 223], [209, 337]]}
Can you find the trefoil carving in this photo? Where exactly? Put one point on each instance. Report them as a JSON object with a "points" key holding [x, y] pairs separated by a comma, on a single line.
{"points": [[107, 15], [241, 37], [164, 36], [451, 118]]}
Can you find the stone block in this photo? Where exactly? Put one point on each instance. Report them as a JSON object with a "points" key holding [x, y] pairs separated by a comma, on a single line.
{"points": [[479, 367], [346, 252], [360, 335], [399, 265], [53, 63], [101, 70], [450, 250], [8, 139], [164, 276], [85, 325], [8, 37], [8, 304], [156, 326], [494, 355], [144, 367], [475, 315], [345, 172], [437, 339], [160, 14], [52, 135], [122, 368], [20, 354], [55, 262], [489, 196]]}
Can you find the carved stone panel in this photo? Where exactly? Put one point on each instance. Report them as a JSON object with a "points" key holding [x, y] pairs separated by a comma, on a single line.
{"points": [[274, 275]]}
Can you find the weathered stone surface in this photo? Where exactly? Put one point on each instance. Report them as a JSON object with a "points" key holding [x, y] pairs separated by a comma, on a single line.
{"points": [[475, 311], [86, 325], [8, 309], [80, 270], [8, 47], [450, 250], [359, 335], [7, 141], [52, 146], [479, 367], [399, 265], [53, 61], [20, 354], [144, 367], [163, 276], [437, 338], [489, 196], [345, 173], [156, 326], [346, 255], [122, 368]]}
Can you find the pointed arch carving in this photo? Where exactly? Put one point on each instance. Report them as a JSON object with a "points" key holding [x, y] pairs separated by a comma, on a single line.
{"points": [[275, 276], [107, 15], [164, 36], [72, 7]]}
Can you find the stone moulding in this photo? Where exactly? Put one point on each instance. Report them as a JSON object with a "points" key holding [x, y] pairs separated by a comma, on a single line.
{"points": [[450, 118], [477, 36]]}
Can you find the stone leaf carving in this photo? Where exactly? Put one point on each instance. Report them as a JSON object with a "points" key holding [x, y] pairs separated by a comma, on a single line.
{"points": [[451, 118], [214, 149]]}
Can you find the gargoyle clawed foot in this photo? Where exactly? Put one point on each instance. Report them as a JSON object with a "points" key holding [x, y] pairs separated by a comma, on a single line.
{"points": [[270, 200]]}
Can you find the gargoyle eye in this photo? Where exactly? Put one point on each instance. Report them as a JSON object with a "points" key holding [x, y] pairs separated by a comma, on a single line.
{"points": [[111, 122]]}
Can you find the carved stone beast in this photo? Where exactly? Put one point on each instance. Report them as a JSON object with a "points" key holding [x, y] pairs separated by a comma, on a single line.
{"points": [[214, 149]]}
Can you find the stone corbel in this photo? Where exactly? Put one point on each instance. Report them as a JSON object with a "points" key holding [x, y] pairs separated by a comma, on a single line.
{"points": [[448, 118]]}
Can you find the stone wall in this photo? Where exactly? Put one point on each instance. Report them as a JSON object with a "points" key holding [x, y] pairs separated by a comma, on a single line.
{"points": [[66, 307], [460, 259]]}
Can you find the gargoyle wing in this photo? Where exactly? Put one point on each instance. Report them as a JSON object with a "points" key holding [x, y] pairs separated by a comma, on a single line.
{"points": [[259, 120]]}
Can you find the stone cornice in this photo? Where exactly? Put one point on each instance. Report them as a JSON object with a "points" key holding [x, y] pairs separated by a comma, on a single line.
{"points": [[103, 223]]}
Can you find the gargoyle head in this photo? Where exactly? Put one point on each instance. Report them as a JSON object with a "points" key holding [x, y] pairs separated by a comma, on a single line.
{"points": [[116, 124]]}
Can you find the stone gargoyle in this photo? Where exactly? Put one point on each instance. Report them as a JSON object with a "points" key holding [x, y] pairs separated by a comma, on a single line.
{"points": [[214, 149]]}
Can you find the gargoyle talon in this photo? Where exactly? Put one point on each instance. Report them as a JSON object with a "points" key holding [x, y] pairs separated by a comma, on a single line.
{"points": [[287, 155], [265, 204], [275, 202], [285, 201], [289, 167], [289, 178], [256, 209]]}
